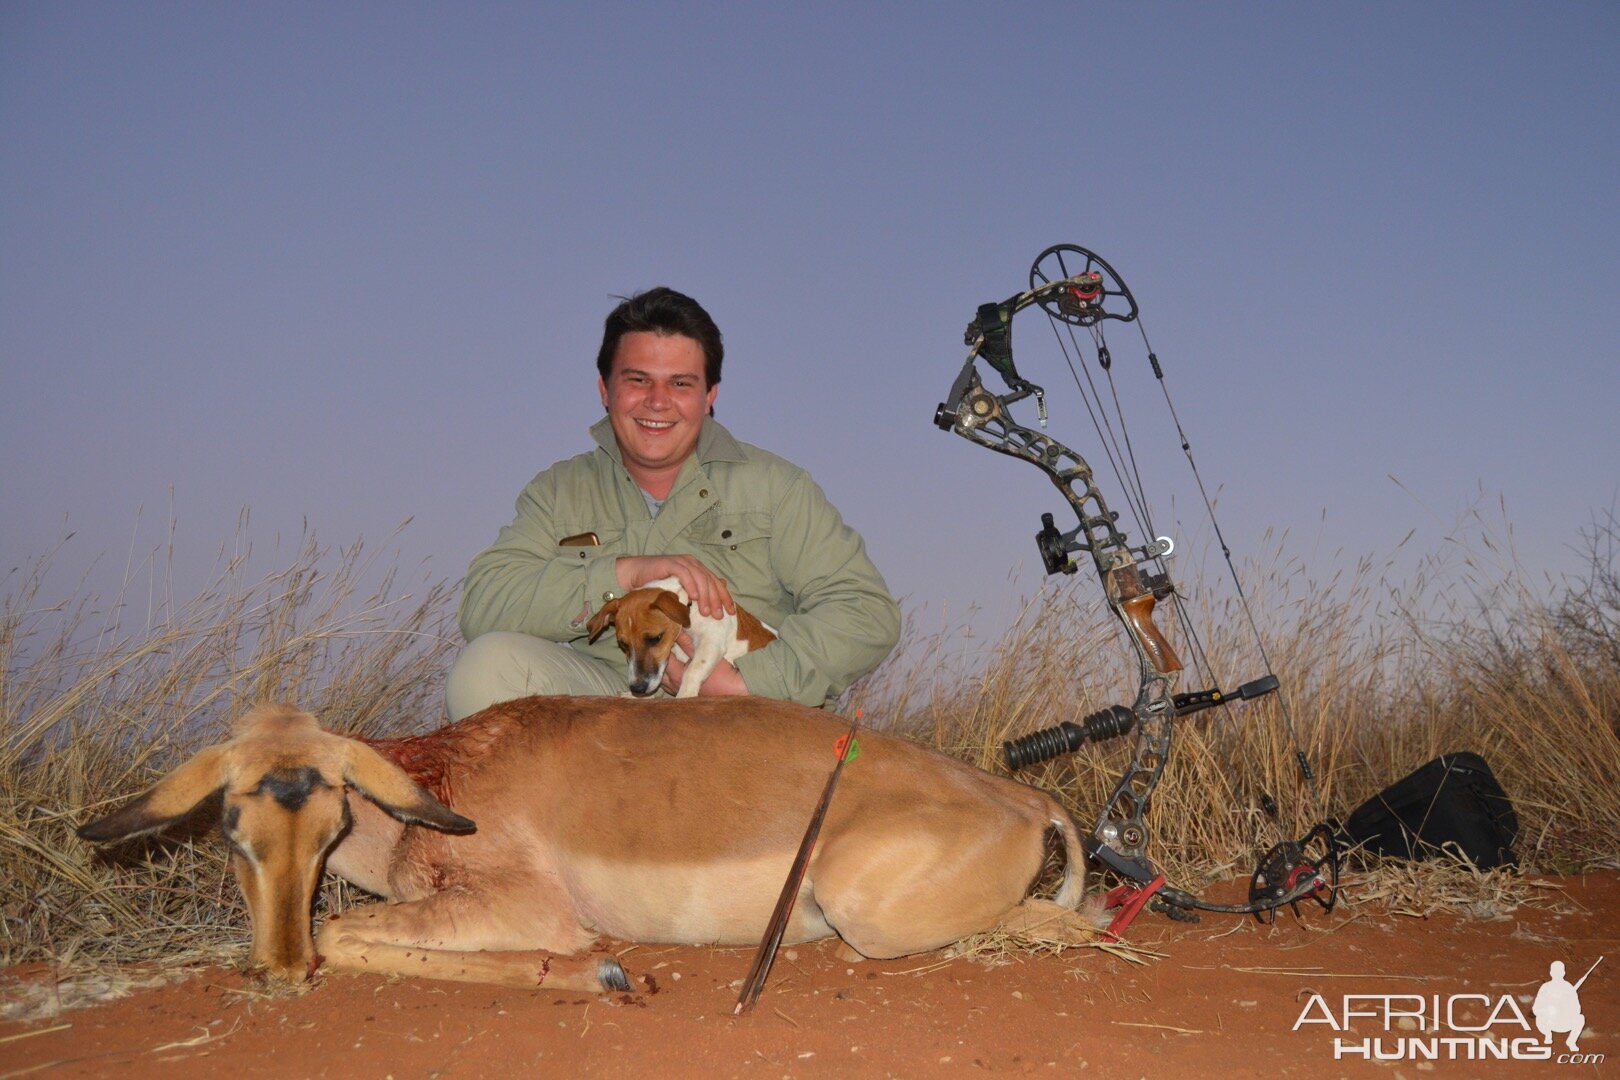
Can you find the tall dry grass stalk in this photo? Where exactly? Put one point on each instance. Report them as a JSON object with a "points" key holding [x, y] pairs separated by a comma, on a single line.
{"points": [[93, 710]]}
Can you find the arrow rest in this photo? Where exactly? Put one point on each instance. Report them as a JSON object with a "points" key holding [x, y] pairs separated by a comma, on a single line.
{"points": [[1077, 288]]}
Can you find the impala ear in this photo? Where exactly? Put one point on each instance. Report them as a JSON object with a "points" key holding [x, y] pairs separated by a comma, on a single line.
{"points": [[175, 796], [602, 619], [671, 605], [386, 784]]}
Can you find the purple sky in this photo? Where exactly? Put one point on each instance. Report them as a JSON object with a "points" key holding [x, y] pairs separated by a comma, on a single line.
{"points": [[347, 264]]}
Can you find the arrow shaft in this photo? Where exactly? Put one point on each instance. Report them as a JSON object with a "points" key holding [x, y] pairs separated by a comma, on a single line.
{"points": [[772, 941]]}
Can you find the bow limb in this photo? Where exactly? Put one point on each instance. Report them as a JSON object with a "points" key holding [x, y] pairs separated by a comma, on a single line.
{"points": [[985, 418]]}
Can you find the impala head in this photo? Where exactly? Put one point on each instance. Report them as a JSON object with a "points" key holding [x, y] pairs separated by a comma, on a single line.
{"points": [[282, 780]]}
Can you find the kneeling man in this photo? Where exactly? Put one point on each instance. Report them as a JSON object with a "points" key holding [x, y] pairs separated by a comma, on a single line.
{"points": [[668, 492]]}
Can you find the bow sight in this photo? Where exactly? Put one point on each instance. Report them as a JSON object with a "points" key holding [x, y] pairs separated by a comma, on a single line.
{"points": [[1077, 289]]}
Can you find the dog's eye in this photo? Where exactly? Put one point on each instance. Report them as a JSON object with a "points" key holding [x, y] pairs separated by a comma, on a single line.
{"points": [[653, 640]]}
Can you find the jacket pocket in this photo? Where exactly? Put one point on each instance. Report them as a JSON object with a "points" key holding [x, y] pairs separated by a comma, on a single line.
{"points": [[737, 546]]}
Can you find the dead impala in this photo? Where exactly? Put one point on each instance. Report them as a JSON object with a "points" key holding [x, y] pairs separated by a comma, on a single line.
{"points": [[642, 821]]}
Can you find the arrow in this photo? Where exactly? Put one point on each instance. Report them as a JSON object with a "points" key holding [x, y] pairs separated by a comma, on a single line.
{"points": [[766, 956]]}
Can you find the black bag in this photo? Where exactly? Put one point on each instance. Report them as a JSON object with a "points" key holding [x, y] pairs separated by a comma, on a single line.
{"points": [[1453, 800]]}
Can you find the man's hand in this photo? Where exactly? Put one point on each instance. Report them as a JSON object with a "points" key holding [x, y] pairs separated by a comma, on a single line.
{"points": [[708, 591], [724, 679]]}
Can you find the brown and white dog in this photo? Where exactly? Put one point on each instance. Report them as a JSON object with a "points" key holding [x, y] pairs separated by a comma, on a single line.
{"points": [[648, 621]]}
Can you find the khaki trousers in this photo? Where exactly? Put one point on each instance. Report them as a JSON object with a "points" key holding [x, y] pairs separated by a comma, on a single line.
{"points": [[503, 665]]}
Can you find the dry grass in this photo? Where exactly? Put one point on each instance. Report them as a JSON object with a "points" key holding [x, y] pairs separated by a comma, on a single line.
{"points": [[93, 710], [1446, 886], [1370, 692]]}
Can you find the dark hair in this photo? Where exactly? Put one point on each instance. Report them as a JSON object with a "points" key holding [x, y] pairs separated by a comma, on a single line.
{"points": [[662, 311]]}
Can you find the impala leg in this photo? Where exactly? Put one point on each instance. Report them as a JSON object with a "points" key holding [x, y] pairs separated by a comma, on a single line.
{"points": [[1042, 920], [460, 936], [525, 970]]}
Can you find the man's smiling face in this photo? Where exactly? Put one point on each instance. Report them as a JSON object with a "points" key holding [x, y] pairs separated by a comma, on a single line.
{"points": [[656, 398]]}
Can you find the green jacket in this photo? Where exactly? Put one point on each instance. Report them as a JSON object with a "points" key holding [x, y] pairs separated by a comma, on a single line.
{"points": [[757, 521]]}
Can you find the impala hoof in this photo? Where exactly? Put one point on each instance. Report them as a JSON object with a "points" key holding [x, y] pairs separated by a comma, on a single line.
{"points": [[612, 975]]}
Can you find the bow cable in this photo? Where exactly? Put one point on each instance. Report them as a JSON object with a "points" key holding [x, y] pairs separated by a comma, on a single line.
{"points": [[1121, 457], [1300, 756]]}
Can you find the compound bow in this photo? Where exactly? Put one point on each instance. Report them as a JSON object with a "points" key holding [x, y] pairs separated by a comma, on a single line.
{"points": [[1076, 288]]}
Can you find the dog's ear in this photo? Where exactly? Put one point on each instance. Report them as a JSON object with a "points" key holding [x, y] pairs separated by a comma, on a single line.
{"points": [[671, 605], [602, 619]]}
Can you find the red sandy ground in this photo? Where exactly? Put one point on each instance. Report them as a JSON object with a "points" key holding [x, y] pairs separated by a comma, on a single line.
{"points": [[1221, 999]]}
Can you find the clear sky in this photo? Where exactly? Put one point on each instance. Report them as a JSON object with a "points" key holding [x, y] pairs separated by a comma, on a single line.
{"points": [[346, 264]]}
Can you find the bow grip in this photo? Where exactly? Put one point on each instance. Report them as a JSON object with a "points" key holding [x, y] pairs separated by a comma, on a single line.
{"points": [[1138, 612], [1136, 604]]}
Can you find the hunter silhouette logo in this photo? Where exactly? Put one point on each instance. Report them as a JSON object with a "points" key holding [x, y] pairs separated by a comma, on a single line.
{"points": [[1557, 1007]]}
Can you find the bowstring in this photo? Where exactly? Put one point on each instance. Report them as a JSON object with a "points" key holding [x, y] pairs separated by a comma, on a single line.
{"points": [[1121, 455], [1134, 495], [1300, 757], [1100, 420]]}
